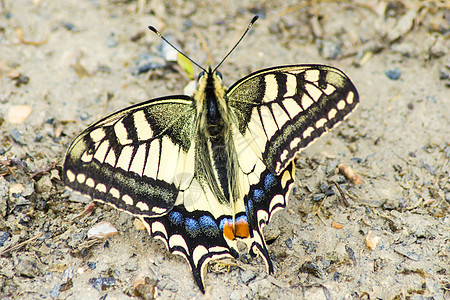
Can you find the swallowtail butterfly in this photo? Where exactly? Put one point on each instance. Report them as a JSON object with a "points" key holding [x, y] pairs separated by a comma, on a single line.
{"points": [[202, 171]]}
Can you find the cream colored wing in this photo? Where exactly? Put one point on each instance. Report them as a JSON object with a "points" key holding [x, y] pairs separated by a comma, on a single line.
{"points": [[282, 110], [136, 159]]}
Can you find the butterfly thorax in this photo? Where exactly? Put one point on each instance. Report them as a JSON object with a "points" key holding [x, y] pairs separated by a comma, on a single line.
{"points": [[214, 148]]}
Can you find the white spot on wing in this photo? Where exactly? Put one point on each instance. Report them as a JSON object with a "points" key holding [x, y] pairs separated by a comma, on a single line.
{"points": [[341, 105], [142, 206], [137, 165], [306, 101], [168, 163], [90, 182], [269, 124], [321, 122], [86, 157], [121, 133], [332, 113], [271, 91], [81, 178], [101, 188], [101, 151], [278, 199], [312, 75], [313, 91], [292, 107], [97, 135], [178, 240], [350, 97], [284, 179], [307, 132], [284, 155], [159, 227], [198, 253], [151, 168], [115, 193], [125, 158], [294, 143], [329, 89], [127, 199], [70, 175], [144, 131], [291, 85], [158, 210]]}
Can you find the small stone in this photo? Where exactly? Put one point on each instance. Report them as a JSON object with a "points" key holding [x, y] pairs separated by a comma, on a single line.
{"points": [[372, 240], [393, 74], [144, 287], [248, 276], [17, 136], [239, 294], [102, 230], [28, 267], [19, 113], [138, 224], [92, 265], [289, 243], [54, 293], [4, 236]]}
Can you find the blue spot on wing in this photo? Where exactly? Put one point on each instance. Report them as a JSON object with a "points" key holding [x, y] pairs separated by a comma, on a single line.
{"points": [[269, 181], [191, 224], [176, 218], [257, 195], [206, 222]]}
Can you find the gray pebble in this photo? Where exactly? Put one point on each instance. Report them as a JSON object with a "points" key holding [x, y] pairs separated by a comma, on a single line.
{"points": [[4, 236], [393, 74], [248, 276]]}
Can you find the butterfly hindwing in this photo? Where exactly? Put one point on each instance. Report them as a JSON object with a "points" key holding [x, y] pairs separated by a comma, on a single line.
{"points": [[282, 110], [122, 159]]}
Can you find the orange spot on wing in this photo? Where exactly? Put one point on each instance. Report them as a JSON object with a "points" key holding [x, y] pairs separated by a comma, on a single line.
{"points": [[242, 229], [228, 231]]}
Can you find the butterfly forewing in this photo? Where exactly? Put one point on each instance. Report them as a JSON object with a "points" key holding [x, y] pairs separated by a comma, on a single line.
{"points": [[136, 159], [282, 110]]}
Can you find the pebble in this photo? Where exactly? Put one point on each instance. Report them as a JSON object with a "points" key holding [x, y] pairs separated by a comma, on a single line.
{"points": [[329, 49], [17, 136], [4, 236], [372, 240], [239, 294], [102, 230], [289, 243], [19, 113], [393, 74], [144, 287], [248, 276], [102, 283], [27, 267]]}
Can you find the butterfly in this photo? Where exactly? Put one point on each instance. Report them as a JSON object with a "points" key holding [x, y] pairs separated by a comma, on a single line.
{"points": [[206, 170]]}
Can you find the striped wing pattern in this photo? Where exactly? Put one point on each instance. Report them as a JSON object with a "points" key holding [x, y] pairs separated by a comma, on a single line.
{"points": [[142, 160], [282, 110]]}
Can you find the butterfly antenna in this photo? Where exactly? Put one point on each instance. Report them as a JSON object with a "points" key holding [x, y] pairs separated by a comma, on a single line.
{"points": [[235, 45], [179, 51]]}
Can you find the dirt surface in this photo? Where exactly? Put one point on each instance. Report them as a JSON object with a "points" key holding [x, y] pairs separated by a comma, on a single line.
{"points": [[73, 62]]}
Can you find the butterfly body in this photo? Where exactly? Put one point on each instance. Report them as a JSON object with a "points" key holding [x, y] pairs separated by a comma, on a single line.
{"points": [[206, 170]]}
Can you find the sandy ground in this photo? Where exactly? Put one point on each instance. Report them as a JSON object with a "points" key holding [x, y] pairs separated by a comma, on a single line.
{"points": [[72, 62]]}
